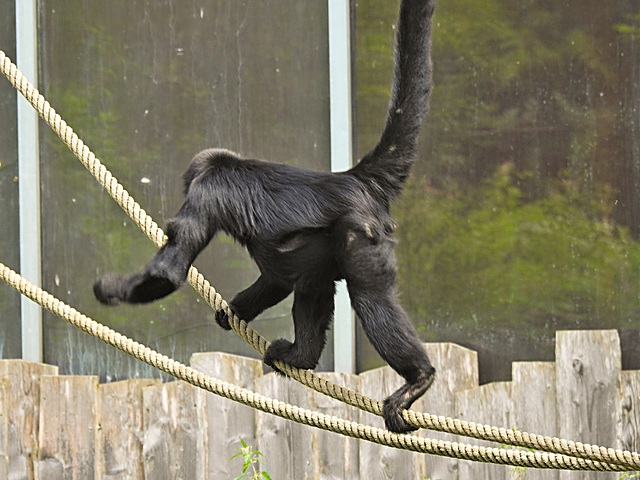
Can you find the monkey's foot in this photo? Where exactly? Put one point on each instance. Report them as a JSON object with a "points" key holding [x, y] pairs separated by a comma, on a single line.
{"points": [[402, 399], [288, 353], [393, 419]]}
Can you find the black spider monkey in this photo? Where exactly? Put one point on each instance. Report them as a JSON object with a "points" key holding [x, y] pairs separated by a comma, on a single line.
{"points": [[306, 230]]}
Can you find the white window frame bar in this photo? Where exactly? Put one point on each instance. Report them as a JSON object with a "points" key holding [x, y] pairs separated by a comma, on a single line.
{"points": [[29, 180], [339, 15]]}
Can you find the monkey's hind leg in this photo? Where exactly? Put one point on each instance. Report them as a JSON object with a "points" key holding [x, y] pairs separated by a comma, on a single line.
{"points": [[370, 271], [394, 338]]}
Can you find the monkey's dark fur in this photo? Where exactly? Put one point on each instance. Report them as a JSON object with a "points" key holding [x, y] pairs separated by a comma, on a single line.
{"points": [[306, 230]]}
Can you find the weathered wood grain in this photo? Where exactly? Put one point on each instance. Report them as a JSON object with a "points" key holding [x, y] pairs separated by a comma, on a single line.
{"points": [[588, 365], [287, 446], [533, 392], [4, 429], [120, 435], [336, 456], [376, 461], [456, 370], [628, 408], [173, 440], [68, 429], [225, 421], [23, 403], [488, 404]]}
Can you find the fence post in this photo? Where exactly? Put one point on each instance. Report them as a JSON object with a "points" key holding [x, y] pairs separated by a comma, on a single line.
{"points": [[174, 442], [4, 429], [23, 405], [376, 461], [456, 370], [337, 456], [628, 407], [68, 428], [588, 366], [489, 404], [533, 392], [288, 447], [121, 431], [225, 421]]}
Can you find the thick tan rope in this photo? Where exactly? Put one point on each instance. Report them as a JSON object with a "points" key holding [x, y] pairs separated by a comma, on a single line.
{"points": [[628, 460], [292, 412]]}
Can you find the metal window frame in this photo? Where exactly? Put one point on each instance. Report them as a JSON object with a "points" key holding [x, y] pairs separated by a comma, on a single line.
{"points": [[339, 12], [29, 180]]}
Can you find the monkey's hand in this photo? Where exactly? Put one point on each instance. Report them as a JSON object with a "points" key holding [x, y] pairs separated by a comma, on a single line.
{"points": [[277, 350], [222, 319]]}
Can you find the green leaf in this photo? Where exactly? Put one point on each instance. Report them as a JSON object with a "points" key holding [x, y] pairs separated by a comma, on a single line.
{"points": [[266, 475]]}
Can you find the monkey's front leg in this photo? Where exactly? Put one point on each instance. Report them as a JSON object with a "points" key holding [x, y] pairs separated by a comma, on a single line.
{"points": [[312, 315]]}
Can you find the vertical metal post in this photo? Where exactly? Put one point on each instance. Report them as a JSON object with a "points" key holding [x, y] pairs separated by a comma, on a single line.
{"points": [[341, 159], [29, 179]]}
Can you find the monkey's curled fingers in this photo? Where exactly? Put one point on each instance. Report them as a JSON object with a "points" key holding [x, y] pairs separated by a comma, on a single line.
{"points": [[222, 319]]}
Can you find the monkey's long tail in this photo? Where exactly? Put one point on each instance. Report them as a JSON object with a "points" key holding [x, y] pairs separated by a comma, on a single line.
{"points": [[389, 163]]}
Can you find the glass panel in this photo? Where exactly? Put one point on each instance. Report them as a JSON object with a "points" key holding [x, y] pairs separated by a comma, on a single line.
{"points": [[522, 216], [9, 247], [147, 85]]}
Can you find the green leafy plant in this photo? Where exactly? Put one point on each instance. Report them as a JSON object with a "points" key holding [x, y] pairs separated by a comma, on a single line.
{"points": [[518, 472], [627, 475], [251, 463]]}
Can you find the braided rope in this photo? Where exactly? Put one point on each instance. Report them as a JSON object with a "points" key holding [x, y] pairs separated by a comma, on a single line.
{"points": [[292, 412], [625, 459]]}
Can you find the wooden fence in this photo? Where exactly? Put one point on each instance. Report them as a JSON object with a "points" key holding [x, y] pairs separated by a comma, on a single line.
{"points": [[61, 427]]}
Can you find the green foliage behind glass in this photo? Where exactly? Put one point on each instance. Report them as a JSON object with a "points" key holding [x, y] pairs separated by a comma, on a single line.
{"points": [[495, 257]]}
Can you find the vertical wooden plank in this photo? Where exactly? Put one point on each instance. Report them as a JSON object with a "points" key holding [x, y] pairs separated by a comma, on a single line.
{"points": [[377, 461], [4, 429], [298, 451], [533, 393], [287, 446], [23, 403], [173, 438], [227, 421], [588, 365], [68, 428], [628, 408], [273, 437], [456, 370], [337, 456], [488, 404], [120, 418], [304, 439]]}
